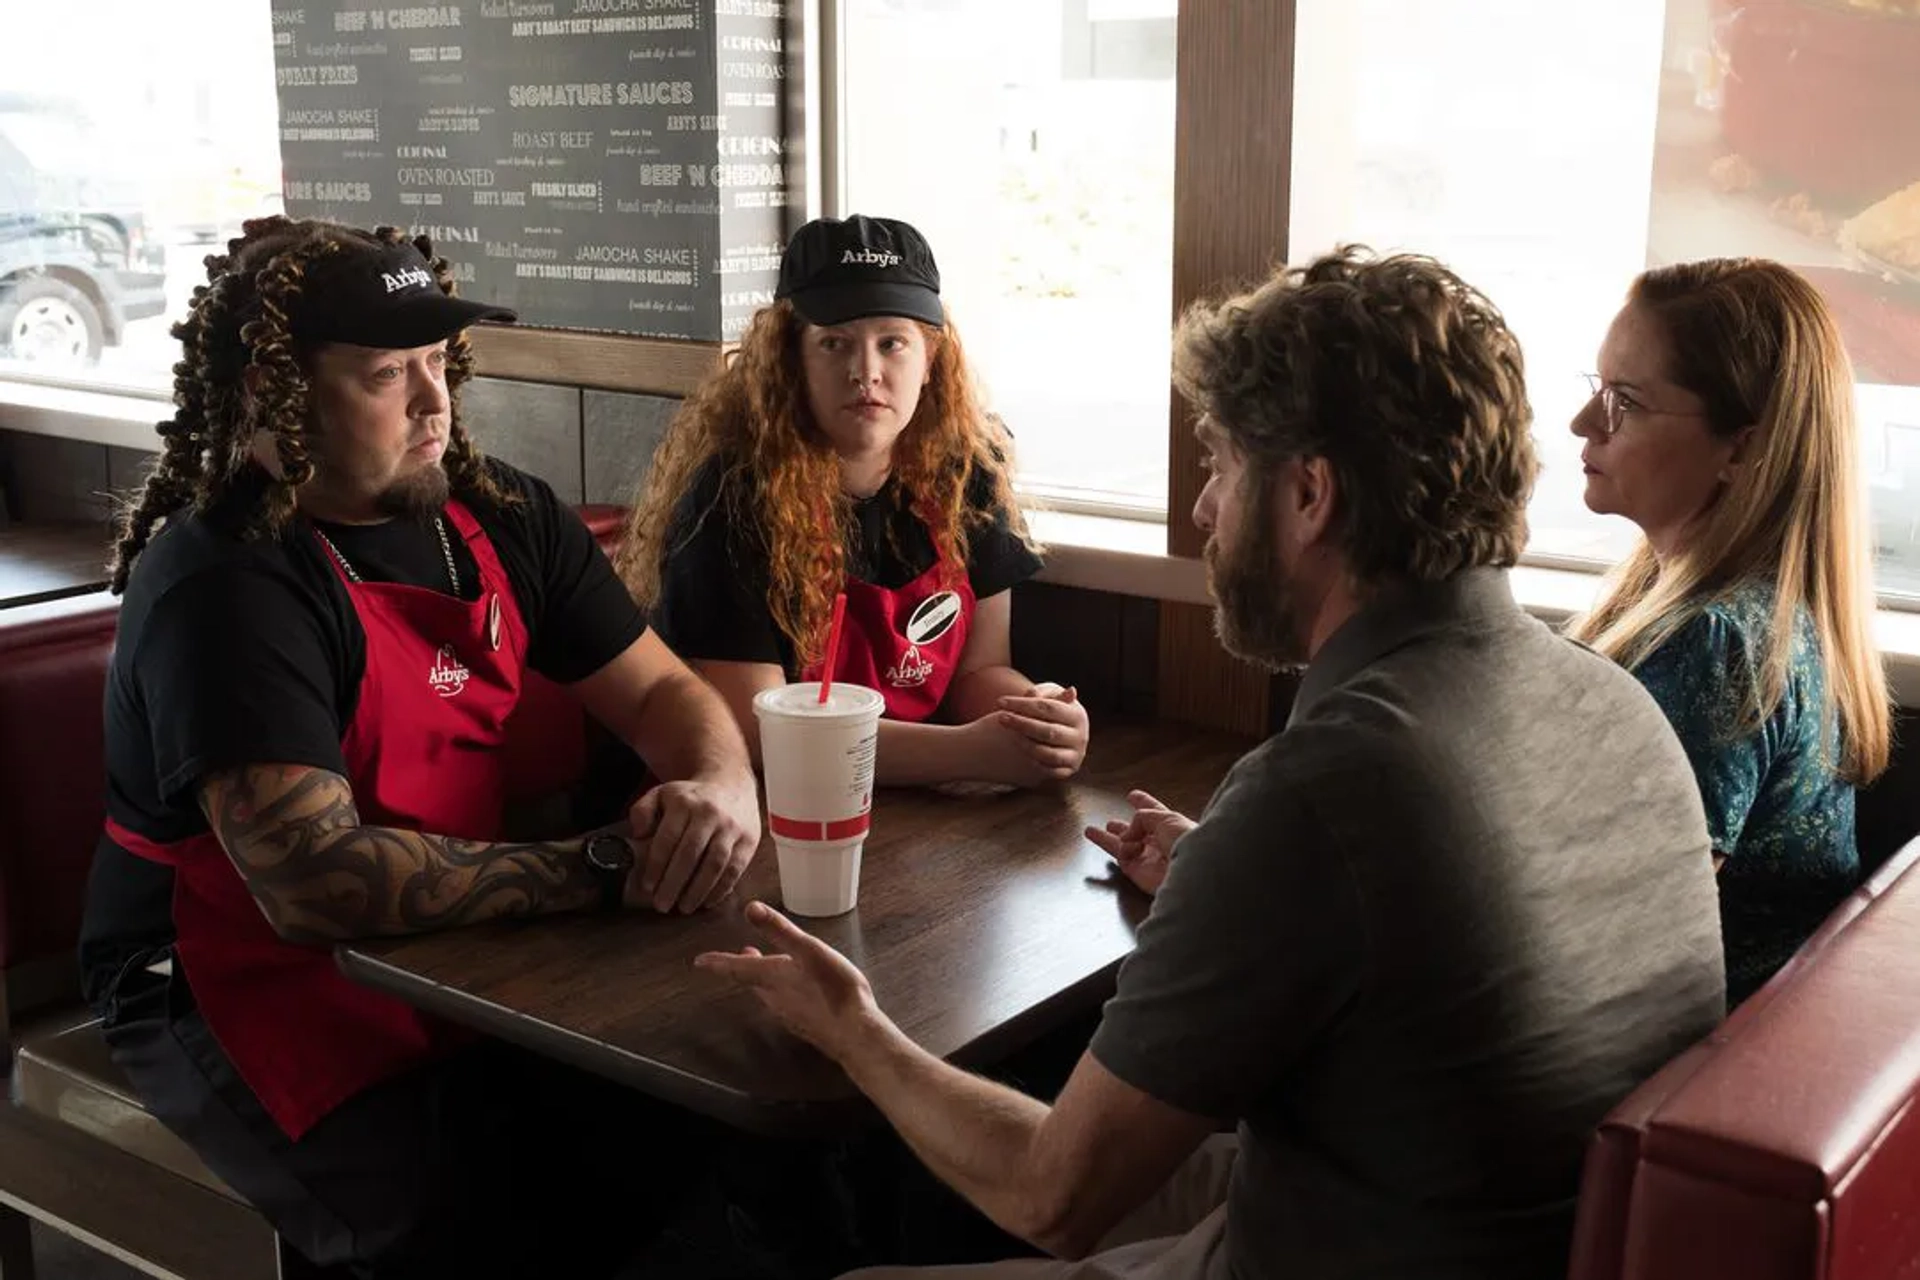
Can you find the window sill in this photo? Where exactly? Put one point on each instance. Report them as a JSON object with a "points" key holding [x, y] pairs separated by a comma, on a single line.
{"points": [[1097, 553], [1128, 557], [71, 413]]}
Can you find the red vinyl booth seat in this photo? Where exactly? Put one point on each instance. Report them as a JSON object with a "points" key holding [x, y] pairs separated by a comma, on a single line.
{"points": [[1785, 1146], [53, 668]]}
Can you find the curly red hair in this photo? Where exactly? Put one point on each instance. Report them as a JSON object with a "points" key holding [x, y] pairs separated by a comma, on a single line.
{"points": [[782, 477]]}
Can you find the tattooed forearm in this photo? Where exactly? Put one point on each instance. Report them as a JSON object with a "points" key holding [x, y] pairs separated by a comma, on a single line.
{"points": [[295, 836]]}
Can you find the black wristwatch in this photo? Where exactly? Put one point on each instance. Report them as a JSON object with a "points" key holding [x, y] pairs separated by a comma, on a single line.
{"points": [[610, 858]]}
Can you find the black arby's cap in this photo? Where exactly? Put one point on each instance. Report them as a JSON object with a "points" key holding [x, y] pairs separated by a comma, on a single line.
{"points": [[380, 295], [836, 270]]}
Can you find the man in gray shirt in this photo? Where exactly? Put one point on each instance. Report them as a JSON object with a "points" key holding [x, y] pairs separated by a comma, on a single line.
{"points": [[1420, 941]]}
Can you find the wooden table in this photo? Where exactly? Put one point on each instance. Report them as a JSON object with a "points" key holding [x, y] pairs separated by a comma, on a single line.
{"points": [[983, 922], [47, 561]]}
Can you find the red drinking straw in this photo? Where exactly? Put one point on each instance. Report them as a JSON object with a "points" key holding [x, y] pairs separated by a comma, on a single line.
{"points": [[833, 646]]}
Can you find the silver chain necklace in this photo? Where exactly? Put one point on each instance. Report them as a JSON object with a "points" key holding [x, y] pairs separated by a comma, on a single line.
{"points": [[446, 550]]}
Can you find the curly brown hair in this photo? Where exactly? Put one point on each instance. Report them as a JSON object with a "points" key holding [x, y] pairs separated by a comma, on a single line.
{"points": [[239, 320], [780, 482], [1404, 378]]}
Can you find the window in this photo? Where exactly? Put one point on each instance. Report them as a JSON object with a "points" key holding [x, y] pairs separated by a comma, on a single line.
{"points": [[128, 152], [1549, 152], [1032, 141]]}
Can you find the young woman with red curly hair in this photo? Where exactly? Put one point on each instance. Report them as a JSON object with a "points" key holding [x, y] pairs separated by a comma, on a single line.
{"points": [[842, 447]]}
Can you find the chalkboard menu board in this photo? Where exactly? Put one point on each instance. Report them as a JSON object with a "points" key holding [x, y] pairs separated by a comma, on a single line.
{"points": [[595, 164]]}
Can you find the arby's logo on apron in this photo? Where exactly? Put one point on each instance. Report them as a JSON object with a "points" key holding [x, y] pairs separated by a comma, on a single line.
{"points": [[448, 675], [930, 620]]}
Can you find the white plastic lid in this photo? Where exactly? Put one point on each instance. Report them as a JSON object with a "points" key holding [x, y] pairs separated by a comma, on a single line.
{"points": [[845, 702]]}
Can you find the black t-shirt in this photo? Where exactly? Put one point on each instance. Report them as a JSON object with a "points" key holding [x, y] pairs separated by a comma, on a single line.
{"points": [[713, 587], [233, 651]]}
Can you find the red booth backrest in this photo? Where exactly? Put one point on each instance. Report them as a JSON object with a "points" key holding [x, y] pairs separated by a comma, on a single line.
{"points": [[608, 523], [1786, 1146], [53, 670]]}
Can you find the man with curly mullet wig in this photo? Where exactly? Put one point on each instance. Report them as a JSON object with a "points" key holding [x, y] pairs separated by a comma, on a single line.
{"points": [[332, 602], [1422, 939]]}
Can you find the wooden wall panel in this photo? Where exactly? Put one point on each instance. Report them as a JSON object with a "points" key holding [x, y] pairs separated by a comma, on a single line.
{"points": [[1106, 645], [1200, 683], [1070, 636], [1233, 146], [606, 361]]}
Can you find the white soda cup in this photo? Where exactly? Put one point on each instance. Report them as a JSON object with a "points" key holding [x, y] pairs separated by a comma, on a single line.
{"points": [[818, 760]]}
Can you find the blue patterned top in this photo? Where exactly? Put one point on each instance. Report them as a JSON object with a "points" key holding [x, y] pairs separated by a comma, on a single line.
{"points": [[1777, 807]]}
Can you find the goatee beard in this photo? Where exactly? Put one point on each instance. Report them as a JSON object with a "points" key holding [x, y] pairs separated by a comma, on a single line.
{"points": [[416, 497]]}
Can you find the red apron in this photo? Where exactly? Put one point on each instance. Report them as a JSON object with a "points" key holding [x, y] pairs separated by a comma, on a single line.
{"points": [[905, 643], [423, 754]]}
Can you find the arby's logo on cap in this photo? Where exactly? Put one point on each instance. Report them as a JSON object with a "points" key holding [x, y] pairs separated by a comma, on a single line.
{"points": [[407, 278]]}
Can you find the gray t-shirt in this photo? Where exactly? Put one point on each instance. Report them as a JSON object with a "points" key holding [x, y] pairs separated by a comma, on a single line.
{"points": [[1423, 940]]}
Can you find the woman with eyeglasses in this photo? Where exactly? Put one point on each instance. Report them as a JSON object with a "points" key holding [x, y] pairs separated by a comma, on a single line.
{"points": [[1722, 424]]}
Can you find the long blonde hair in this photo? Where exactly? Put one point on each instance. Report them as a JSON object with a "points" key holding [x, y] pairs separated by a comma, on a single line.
{"points": [[1757, 344]]}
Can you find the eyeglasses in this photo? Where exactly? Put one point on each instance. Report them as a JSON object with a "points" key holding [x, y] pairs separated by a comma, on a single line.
{"points": [[1616, 404]]}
